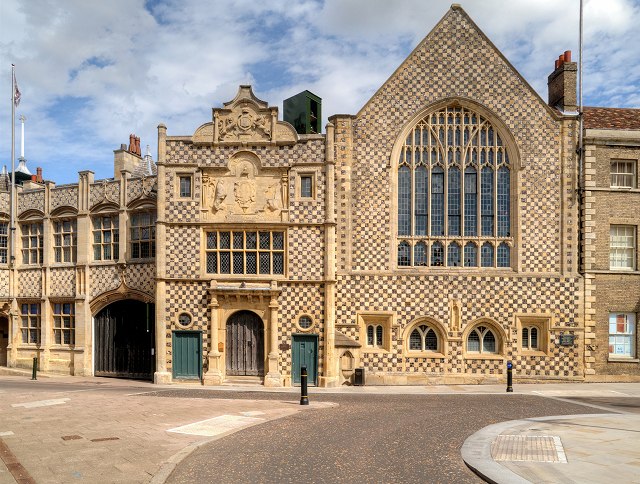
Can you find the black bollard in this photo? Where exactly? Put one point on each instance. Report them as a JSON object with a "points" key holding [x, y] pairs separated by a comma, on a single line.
{"points": [[35, 368], [304, 397], [509, 377]]}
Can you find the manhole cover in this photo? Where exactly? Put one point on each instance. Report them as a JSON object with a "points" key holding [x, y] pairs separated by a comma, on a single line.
{"points": [[528, 448]]}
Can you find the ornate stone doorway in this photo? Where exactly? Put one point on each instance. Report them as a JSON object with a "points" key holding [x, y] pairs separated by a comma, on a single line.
{"points": [[245, 345]]}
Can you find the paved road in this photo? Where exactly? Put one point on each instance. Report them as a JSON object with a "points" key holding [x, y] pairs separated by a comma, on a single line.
{"points": [[382, 438], [103, 430]]}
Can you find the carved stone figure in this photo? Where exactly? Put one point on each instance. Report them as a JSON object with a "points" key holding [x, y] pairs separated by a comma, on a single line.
{"points": [[219, 196], [213, 194], [272, 195], [245, 190]]}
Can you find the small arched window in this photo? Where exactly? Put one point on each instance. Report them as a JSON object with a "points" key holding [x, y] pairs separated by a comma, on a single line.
{"points": [[375, 335], [482, 339], [454, 182], [530, 338], [423, 338]]}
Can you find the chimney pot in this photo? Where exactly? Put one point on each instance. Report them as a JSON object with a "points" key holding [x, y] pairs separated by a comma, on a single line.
{"points": [[567, 56], [34, 177], [557, 63], [39, 175]]}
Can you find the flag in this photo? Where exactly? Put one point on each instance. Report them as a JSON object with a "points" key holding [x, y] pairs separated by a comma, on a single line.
{"points": [[16, 92]]}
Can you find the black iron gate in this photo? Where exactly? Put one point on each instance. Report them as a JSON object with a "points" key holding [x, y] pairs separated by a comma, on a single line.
{"points": [[124, 340], [245, 344]]}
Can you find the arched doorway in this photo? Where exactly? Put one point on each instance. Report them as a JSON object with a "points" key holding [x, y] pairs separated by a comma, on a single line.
{"points": [[245, 345], [124, 340], [4, 339]]}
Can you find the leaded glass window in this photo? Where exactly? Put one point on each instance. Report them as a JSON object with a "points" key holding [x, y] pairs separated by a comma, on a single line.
{"points": [[30, 323], [4, 242], [423, 338], [486, 255], [245, 252], [453, 255], [454, 185], [530, 338], [437, 254], [481, 339], [106, 240], [65, 240], [374, 335], [470, 255], [143, 235]]}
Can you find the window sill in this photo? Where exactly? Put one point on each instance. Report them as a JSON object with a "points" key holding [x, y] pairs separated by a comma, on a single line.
{"points": [[482, 356], [141, 260], [30, 346], [69, 348], [533, 353], [371, 349], [434, 355], [622, 359]]}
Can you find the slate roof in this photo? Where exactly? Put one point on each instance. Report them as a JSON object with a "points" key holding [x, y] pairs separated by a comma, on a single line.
{"points": [[611, 118]]}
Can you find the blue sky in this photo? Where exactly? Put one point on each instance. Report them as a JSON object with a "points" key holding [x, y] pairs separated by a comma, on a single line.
{"points": [[91, 72]]}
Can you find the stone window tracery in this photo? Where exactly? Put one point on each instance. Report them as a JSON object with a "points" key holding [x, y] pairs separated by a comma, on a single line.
{"points": [[454, 193]]}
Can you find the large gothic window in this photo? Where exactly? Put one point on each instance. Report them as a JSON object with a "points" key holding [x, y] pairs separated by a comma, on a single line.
{"points": [[454, 193]]}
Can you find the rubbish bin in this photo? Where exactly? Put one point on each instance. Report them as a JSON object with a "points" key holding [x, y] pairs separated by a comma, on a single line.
{"points": [[358, 377]]}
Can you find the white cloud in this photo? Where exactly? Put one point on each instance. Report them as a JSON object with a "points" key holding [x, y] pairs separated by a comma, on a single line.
{"points": [[132, 68]]}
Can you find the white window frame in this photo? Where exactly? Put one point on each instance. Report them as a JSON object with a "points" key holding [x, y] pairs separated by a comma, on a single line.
{"points": [[4, 242], [624, 340], [622, 247], [623, 174]]}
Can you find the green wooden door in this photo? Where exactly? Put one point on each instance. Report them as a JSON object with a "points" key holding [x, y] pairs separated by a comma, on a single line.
{"points": [[305, 353], [187, 350]]}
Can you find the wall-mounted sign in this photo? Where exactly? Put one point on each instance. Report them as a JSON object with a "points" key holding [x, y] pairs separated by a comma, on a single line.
{"points": [[567, 339]]}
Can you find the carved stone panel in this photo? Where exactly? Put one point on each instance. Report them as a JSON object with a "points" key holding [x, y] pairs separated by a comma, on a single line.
{"points": [[244, 192], [246, 120]]}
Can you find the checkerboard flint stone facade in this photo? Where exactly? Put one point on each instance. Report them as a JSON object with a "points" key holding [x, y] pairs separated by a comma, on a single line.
{"points": [[244, 169]]}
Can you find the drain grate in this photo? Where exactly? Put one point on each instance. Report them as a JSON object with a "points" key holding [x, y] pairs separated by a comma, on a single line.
{"points": [[528, 448]]}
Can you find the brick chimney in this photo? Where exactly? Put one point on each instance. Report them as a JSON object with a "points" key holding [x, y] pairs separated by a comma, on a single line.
{"points": [[562, 84], [127, 157]]}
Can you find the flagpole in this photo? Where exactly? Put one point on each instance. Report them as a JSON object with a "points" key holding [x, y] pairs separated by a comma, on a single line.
{"points": [[13, 166]]}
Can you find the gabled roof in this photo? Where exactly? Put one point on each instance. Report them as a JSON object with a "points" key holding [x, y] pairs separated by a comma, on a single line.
{"points": [[456, 33], [611, 118]]}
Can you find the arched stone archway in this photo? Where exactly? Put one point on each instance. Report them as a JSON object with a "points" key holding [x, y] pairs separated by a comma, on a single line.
{"points": [[125, 340]]}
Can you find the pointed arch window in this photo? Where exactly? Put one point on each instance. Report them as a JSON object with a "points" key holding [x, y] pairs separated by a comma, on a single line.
{"points": [[454, 193]]}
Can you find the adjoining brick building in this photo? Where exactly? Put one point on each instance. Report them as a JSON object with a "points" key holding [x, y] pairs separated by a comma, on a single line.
{"points": [[446, 228]]}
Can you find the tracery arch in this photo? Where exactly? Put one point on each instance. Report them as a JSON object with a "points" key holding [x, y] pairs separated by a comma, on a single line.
{"points": [[454, 190]]}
